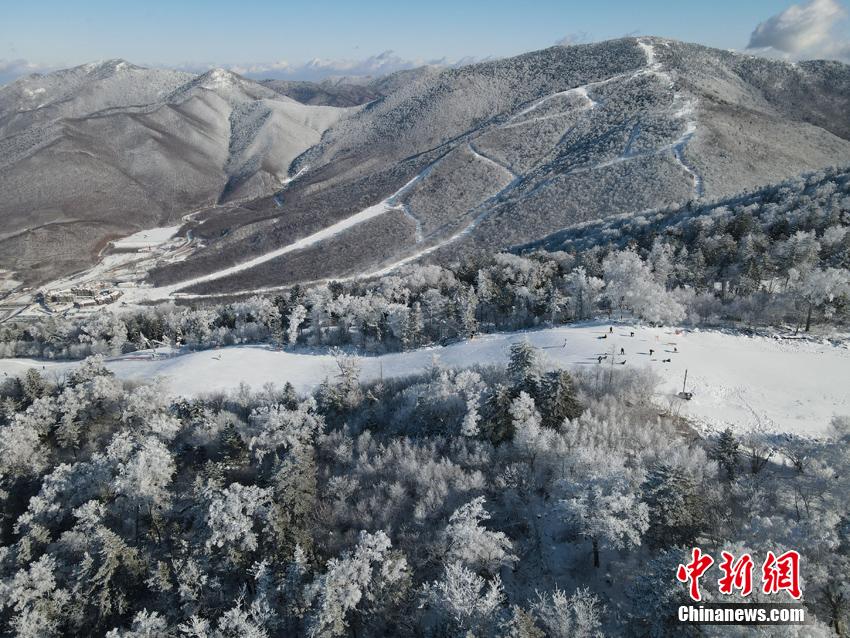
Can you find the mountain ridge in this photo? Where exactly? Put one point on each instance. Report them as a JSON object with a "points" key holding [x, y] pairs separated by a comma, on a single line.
{"points": [[147, 146], [631, 135], [499, 153]]}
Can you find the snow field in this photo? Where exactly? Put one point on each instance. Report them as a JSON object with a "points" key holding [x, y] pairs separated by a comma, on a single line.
{"points": [[740, 381]]}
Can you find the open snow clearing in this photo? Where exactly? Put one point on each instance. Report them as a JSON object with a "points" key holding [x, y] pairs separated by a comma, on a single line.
{"points": [[745, 382]]}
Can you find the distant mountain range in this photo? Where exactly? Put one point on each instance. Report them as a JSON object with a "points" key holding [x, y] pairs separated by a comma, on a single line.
{"points": [[421, 165], [102, 150]]}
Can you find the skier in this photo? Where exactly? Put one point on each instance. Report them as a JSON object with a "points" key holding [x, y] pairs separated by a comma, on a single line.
{"points": [[622, 351], [611, 330], [632, 333], [599, 359], [651, 352]]}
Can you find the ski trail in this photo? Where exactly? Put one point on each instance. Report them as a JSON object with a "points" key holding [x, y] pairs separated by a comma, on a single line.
{"points": [[538, 104], [679, 150], [649, 51], [687, 113], [489, 160], [304, 242], [418, 233], [580, 91], [389, 204], [485, 209], [532, 120], [288, 180], [633, 135]]}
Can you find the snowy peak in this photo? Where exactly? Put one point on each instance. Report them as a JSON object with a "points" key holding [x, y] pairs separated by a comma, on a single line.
{"points": [[108, 68], [218, 78], [506, 151], [230, 86], [84, 89]]}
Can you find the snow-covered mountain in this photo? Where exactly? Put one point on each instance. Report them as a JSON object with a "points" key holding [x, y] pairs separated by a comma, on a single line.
{"points": [[440, 162], [505, 152], [100, 150]]}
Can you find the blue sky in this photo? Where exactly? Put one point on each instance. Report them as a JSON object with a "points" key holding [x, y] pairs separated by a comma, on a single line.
{"points": [[280, 37]]}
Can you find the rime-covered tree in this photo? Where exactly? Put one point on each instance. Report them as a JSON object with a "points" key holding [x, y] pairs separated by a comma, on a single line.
{"points": [[472, 544], [296, 317], [562, 616], [630, 284], [526, 425], [818, 287], [369, 574], [606, 509], [584, 291], [463, 601]]}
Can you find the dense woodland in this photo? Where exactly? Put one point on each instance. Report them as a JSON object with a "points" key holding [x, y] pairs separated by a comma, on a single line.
{"points": [[516, 502], [778, 257]]}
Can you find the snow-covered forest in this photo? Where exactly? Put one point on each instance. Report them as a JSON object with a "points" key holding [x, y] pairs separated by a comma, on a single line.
{"points": [[776, 257], [521, 501], [517, 501]]}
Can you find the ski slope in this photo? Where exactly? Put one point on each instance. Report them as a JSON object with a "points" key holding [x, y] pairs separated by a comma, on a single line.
{"points": [[787, 386], [146, 238]]}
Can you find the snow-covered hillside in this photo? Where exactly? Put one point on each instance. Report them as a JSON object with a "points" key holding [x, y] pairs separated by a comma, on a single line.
{"points": [[780, 385], [148, 146]]}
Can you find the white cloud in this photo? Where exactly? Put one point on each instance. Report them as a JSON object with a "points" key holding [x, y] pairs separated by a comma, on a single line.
{"points": [[320, 68], [577, 37], [13, 69], [808, 30]]}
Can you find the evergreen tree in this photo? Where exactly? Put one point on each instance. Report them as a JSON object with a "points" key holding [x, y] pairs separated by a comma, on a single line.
{"points": [[33, 385], [467, 309], [524, 367], [674, 507], [557, 399], [414, 328], [726, 453], [294, 504], [497, 425]]}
